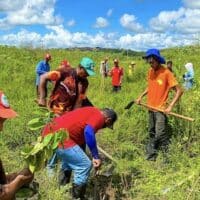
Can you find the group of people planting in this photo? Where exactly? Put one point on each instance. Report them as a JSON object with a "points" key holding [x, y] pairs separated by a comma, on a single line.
{"points": [[75, 113]]}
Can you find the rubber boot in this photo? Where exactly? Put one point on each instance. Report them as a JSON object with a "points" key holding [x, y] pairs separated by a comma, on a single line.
{"points": [[78, 191], [64, 177], [151, 151]]}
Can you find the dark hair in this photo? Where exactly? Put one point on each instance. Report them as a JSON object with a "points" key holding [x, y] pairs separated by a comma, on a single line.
{"points": [[110, 113], [169, 62]]}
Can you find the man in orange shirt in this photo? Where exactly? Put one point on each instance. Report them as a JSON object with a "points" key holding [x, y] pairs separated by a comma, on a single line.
{"points": [[117, 74], [160, 82]]}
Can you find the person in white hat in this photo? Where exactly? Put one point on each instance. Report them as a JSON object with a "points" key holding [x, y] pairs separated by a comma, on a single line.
{"points": [[188, 76]]}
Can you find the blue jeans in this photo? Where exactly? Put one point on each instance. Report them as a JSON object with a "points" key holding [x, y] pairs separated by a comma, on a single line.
{"points": [[75, 159], [51, 164]]}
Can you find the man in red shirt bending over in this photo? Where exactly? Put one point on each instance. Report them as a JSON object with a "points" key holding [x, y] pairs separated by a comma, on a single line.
{"points": [[81, 126], [117, 74]]}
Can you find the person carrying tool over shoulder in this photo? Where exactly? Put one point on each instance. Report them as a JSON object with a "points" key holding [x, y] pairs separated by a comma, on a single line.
{"points": [[159, 82], [81, 125], [70, 87], [11, 183]]}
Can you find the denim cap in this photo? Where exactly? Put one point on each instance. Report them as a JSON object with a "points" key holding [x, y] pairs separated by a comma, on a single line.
{"points": [[156, 53], [88, 65], [111, 114]]}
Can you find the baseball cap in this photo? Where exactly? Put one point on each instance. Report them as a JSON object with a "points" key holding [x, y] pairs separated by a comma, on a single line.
{"points": [[116, 60], [132, 63], [111, 114], [5, 109], [88, 65], [65, 63]]}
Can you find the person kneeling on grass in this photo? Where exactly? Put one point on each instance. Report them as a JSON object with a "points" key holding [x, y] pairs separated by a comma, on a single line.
{"points": [[10, 184], [81, 126]]}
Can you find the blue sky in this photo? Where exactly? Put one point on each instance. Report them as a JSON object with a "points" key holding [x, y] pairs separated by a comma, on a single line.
{"points": [[132, 24]]}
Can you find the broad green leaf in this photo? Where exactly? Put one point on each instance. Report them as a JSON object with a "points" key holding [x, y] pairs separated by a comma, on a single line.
{"points": [[47, 139], [36, 123]]}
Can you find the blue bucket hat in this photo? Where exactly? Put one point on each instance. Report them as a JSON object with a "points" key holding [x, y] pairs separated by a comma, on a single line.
{"points": [[156, 53], [88, 65]]}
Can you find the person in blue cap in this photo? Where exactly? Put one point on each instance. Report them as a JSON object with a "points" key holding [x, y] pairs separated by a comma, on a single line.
{"points": [[160, 81]]}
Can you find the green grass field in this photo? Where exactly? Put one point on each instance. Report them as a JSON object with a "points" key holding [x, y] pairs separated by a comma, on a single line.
{"points": [[134, 177]]}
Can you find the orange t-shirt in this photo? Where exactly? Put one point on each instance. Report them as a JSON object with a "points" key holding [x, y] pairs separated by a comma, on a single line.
{"points": [[159, 84]]}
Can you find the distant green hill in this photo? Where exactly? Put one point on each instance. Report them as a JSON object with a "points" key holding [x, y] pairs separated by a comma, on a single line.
{"points": [[134, 177]]}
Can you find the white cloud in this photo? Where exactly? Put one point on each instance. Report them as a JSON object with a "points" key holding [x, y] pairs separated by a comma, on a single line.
{"points": [[58, 37], [151, 40], [28, 12], [189, 22], [101, 22], [166, 20], [71, 22], [184, 20], [194, 4], [22, 38], [129, 22], [109, 12]]}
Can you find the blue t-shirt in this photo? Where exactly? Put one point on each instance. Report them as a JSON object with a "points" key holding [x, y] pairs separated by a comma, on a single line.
{"points": [[41, 68]]}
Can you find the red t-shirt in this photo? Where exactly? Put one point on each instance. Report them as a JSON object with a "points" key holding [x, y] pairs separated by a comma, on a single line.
{"points": [[75, 122], [116, 74]]}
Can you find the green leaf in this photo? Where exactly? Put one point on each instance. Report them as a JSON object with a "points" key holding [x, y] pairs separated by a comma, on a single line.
{"points": [[36, 123], [32, 168], [47, 139]]}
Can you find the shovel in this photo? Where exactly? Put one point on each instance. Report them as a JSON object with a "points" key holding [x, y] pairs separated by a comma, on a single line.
{"points": [[130, 104]]}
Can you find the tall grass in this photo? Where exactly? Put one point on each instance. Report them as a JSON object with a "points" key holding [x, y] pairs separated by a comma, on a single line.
{"points": [[177, 179]]}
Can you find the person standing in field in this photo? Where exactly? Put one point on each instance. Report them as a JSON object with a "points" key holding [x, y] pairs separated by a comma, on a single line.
{"points": [[160, 81], [42, 68], [131, 68], [81, 125], [188, 76], [116, 74], [104, 68], [10, 183]]}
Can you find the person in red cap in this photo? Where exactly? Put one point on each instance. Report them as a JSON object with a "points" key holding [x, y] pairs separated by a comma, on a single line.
{"points": [[42, 68], [116, 73], [65, 64], [10, 184]]}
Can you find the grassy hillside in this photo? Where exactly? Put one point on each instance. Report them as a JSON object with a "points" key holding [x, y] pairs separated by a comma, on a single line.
{"points": [[134, 177]]}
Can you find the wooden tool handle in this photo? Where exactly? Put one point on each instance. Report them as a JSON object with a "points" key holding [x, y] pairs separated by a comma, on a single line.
{"points": [[170, 113]]}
